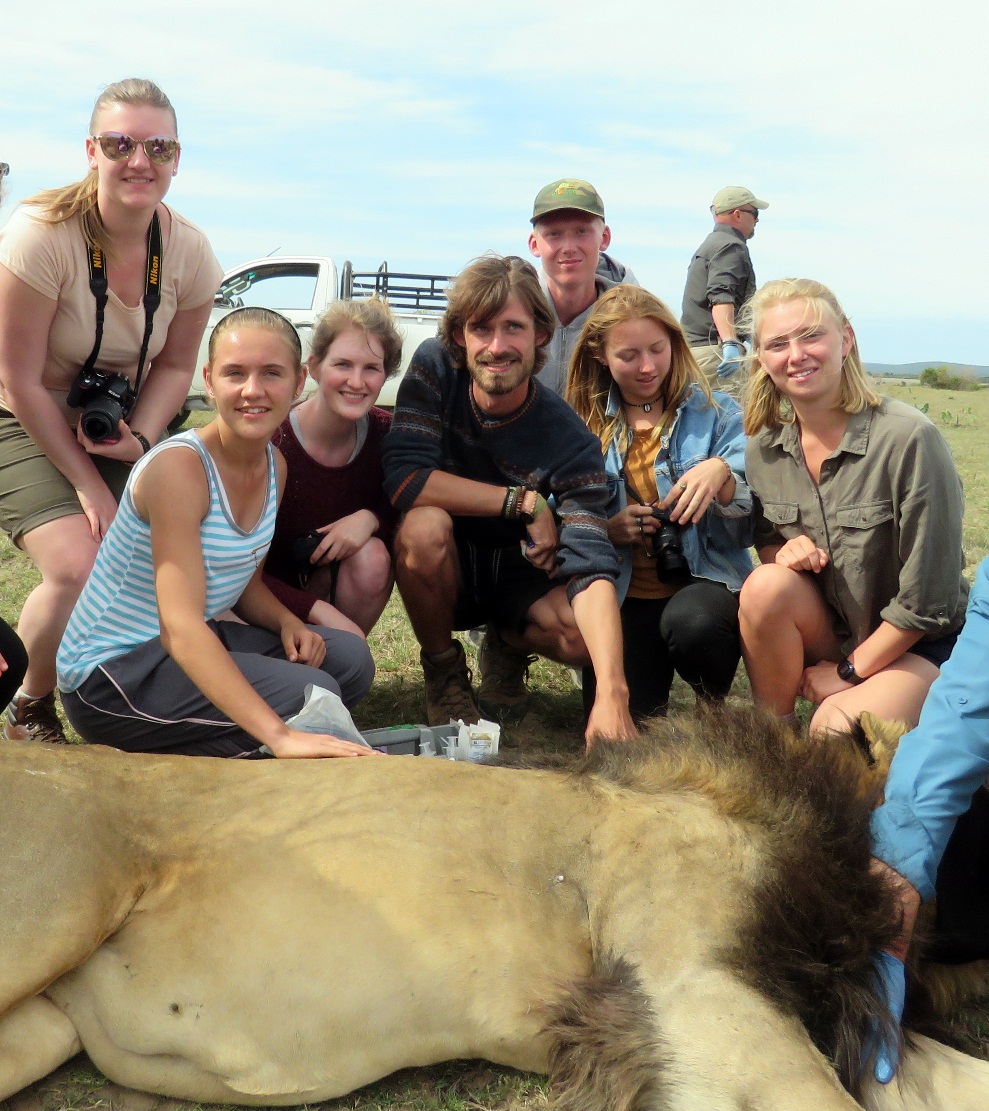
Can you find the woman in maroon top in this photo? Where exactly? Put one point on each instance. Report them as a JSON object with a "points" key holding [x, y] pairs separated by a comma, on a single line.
{"points": [[332, 443]]}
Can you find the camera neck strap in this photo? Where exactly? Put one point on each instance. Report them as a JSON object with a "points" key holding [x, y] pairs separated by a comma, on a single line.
{"points": [[631, 491], [100, 286]]}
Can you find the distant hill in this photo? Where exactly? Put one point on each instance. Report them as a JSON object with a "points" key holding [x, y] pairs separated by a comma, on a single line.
{"points": [[913, 370]]}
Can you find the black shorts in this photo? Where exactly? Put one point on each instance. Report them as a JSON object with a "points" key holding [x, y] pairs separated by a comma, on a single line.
{"points": [[497, 585], [935, 651]]}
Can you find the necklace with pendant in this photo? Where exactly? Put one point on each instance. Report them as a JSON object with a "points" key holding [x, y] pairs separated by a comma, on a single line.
{"points": [[645, 406]]}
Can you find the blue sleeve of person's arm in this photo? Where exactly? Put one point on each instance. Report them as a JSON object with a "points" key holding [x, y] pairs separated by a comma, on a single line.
{"points": [[939, 765]]}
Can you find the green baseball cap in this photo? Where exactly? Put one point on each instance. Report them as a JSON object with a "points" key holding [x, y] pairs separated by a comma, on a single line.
{"points": [[735, 196], [568, 192]]}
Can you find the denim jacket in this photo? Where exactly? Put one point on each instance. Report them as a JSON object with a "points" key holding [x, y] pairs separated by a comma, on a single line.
{"points": [[717, 547]]}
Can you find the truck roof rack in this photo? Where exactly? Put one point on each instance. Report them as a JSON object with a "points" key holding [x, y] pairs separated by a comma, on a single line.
{"points": [[418, 292]]}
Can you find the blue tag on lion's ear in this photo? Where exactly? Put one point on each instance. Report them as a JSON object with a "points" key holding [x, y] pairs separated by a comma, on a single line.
{"points": [[883, 1043]]}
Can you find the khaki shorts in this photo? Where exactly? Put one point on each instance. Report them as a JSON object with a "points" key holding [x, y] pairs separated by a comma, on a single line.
{"points": [[708, 358], [33, 491]]}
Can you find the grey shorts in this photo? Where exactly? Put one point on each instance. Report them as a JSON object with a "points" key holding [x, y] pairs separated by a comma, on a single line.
{"points": [[144, 702], [33, 491]]}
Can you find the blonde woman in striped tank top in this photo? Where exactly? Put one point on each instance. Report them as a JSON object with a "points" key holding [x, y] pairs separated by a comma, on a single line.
{"points": [[146, 663]]}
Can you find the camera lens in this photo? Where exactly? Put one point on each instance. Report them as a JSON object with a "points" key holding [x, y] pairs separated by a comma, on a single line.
{"points": [[100, 419], [672, 567]]}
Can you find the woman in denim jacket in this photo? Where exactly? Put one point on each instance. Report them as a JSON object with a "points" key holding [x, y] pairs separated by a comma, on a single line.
{"points": [[858, 523], [680, 510]]}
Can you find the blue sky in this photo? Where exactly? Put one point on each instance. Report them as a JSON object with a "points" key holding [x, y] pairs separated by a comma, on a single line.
{"points": [[420, 132]]}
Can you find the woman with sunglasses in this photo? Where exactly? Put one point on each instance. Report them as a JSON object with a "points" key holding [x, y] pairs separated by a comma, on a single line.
{"points": [[59, 486], [146, 663], [860, 595], [675, 455]]}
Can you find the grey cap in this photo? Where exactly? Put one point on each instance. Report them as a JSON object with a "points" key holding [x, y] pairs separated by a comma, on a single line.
{"points": [[735, 196]]}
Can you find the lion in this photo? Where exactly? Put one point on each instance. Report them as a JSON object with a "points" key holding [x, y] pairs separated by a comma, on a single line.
{"points": [[684, 922]]}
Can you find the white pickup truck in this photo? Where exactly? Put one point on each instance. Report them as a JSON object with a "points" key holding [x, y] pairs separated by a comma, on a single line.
{"points": [[300, 287]]}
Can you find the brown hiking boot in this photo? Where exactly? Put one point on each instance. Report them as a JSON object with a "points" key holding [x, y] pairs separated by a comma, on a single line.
{"points": [[449, 696], [33, 719], [503, 695]]}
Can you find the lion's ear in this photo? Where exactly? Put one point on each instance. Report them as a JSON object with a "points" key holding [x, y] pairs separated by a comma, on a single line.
{"points": [[883, 737]]}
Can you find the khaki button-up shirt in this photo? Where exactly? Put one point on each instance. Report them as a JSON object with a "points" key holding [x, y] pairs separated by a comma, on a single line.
{"points": [[887, 510]]}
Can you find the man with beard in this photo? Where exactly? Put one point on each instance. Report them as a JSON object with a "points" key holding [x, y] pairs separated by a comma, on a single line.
{"points": [[476, 448]]}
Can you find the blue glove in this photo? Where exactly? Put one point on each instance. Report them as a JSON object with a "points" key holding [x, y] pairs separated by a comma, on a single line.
{"points": [[893, 985], [732, 354]]}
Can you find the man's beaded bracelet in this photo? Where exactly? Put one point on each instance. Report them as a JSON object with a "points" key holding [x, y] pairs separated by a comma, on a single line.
{"points": [[537, 507], [510, 506]]}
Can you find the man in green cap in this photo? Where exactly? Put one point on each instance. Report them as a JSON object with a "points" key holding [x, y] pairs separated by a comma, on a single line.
{"points": [[720, 279], [569, 237]]}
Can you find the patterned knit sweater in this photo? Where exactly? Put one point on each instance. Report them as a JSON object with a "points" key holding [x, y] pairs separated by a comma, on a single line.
{"points": [[543, 445]]}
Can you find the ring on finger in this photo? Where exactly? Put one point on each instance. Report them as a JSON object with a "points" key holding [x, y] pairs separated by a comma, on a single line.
{"points": [[682, 485]]}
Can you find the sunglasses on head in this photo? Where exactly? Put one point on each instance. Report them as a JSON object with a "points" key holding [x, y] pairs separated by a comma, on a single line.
{"points": [[118, 148]]}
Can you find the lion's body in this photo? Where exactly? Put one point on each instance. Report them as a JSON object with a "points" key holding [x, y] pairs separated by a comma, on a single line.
{"points": [[282, 932]]}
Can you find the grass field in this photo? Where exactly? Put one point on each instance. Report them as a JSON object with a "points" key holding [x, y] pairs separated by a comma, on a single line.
{"points": [[554, 722]]}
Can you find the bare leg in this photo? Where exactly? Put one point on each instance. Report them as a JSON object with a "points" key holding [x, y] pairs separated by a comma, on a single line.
{"points": [[894, 694], [784, 626], [364, 584], [552, 631], [64, 551], [322, 613], [427, 573]]}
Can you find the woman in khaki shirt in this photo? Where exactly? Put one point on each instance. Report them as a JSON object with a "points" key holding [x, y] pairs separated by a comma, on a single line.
{"points": [[859, 523], [59, 487]]}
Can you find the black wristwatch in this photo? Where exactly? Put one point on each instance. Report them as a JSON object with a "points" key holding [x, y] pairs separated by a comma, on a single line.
{"points": [[142, 440], [848, 674]]}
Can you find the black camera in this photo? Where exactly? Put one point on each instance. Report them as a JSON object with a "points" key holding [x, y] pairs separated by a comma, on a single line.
{"points": [[667, 542], [105, 400], [303, 548]]}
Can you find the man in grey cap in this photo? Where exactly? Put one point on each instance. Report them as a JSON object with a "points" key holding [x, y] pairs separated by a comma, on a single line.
{"points": [[569, 237], [720, 279]]}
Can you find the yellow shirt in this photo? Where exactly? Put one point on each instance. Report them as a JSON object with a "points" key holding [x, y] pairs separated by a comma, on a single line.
{"points": [[641, 472]]}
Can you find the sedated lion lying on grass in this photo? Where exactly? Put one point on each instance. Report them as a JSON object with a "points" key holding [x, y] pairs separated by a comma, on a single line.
{"points": [[684, 922]]}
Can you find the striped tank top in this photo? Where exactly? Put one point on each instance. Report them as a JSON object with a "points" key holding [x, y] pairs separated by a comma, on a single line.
{"points": [[117, 610]]}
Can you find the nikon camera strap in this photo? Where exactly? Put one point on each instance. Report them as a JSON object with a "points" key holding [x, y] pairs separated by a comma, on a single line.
{"points": [[152, 296]]}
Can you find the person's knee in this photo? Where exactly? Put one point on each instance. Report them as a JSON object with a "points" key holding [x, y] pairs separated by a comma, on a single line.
{"points": [[424, 541], [830, 717], [351, 664], [370, 567], [64, 553], [698, 632], [71, 573], [765, 592]]}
